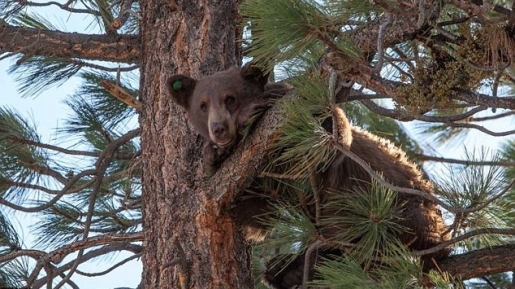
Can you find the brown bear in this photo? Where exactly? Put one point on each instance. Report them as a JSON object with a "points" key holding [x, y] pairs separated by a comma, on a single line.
{"points": [[219, 106]]}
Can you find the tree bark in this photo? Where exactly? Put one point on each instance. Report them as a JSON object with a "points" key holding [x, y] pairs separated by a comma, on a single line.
{"points": [[118, 48], [480, 262], [190, 242]]}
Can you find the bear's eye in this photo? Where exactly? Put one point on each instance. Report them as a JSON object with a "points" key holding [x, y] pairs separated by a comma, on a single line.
{"points": [[229, 100], [203, 107]]}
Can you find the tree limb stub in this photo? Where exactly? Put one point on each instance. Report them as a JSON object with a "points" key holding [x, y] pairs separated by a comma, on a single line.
{"points": [[118, 48], [121, 94]]}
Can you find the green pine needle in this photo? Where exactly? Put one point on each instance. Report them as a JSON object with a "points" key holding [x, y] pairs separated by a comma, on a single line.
{"points": [[288, 29], [305, 146], [344, 272], [13, 272], [291, 227], [33, 21], [472, 186], [98, 117], [282, 25], [38, 73], [108, 107], [19, 161], [9, 239], [367, 218], [442, 280]]}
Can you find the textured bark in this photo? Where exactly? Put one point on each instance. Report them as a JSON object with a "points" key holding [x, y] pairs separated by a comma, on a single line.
{"points": [[190, 242], [117, 48], [480, 263]]}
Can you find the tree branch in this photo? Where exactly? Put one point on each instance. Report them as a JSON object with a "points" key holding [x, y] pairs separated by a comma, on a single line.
{"points": [[504, 163], [65, 6], [57, 255], [480, 262], [108, 248], [118, 48]]}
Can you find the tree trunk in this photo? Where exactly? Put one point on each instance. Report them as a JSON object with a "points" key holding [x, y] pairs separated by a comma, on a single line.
{"points": [[189, 241]]}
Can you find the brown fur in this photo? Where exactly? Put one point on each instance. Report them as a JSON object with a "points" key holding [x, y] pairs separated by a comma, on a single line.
{"points": [[247, 86], [419, 215], [219, 106]]}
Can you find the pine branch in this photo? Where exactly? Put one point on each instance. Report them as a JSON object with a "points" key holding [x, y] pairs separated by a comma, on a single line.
{"points": [[480, 128], [477, 232], [57, 255], [29, 41], [88, 256], [110, 268], [492, 260], [388, 87], [404, 116], [403, 26]]}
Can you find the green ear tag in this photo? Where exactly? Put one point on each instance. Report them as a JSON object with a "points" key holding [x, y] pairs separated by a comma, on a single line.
{"points": [[177, 85]]}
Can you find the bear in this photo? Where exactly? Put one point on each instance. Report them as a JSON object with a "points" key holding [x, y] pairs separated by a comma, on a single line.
{"points": [[219, 107]]}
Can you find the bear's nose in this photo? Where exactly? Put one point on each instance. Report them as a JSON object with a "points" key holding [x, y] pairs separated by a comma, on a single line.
{"points": [[218, 129]]}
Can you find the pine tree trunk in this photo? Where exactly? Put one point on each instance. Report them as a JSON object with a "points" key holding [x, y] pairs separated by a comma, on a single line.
{"points": [[189, 241]]}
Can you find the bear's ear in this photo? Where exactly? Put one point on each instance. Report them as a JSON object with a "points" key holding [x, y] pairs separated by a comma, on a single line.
{"points": [[253, 73], [181, 88]]}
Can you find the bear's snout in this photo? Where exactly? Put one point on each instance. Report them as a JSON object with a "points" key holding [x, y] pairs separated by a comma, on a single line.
{"points": [[222, 133], [219, 129]]}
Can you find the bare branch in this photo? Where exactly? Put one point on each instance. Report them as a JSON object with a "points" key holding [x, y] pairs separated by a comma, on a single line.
{"points": [[65, 6], [110, 268], [480, 128], [380, 43], [493, 117], [54, 200], [470, 8], [482, 231], [57, 255], [102, 162], [110, 247], [403, 116], [101, 166], [307, 262], [464, 162], [486, 100]]}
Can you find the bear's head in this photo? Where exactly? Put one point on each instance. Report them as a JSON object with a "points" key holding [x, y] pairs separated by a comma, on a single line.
{"points": [[218, 106]]}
